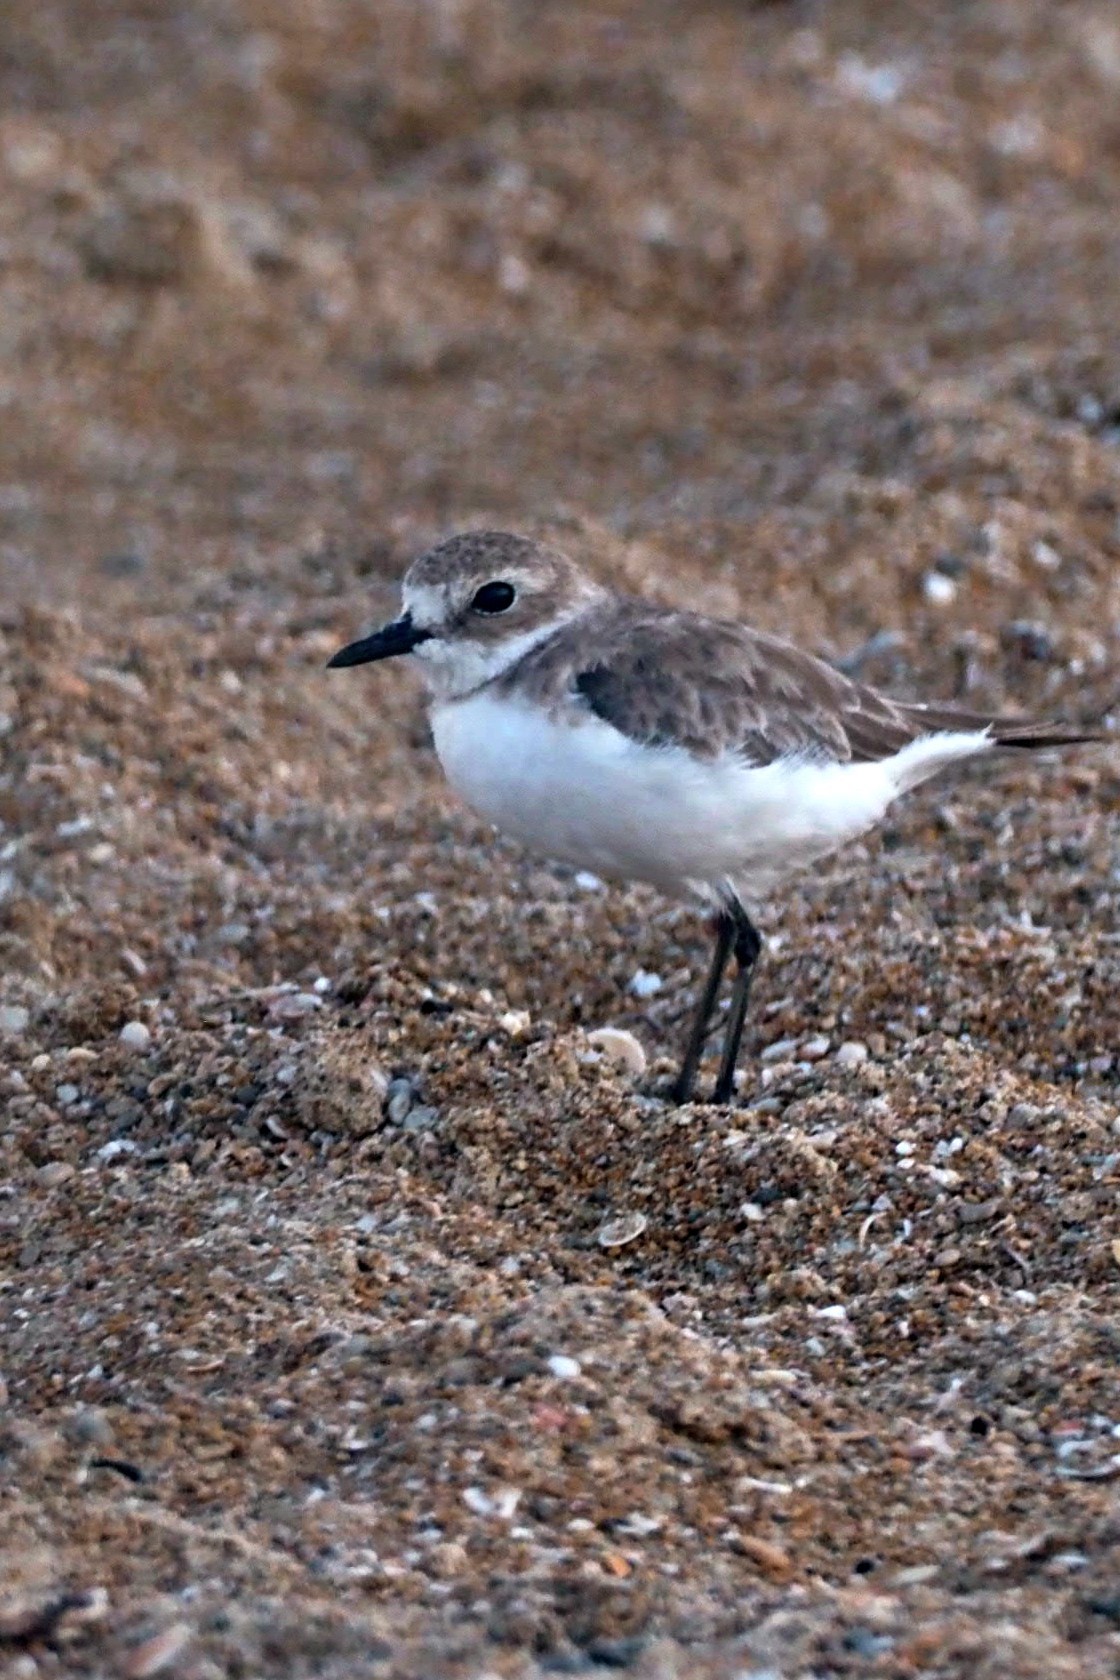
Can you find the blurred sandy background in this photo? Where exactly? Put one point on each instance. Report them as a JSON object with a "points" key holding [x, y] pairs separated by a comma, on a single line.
{"points": [[798, 310]]}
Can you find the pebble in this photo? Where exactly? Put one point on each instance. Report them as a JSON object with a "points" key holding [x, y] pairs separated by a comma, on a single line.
{"points": [[621, 1047], [515, 1022], [939, 589], [781, 1050], [812, 1049], [66, 1095], [116, 1147], [421, 1119], [156, 1654], [852, 1053], [54, 1173], [290, 1006], [398, 1100], [449, 1559], [765, 1553], [135, 1035], [562, 1365], [14, 1018], [616, 1233], [503, 1502], [917, 1575], [644, 984], [90, 1427]]}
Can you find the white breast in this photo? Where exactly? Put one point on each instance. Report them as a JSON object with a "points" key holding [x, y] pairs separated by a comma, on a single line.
{"points": [[580, 792]]}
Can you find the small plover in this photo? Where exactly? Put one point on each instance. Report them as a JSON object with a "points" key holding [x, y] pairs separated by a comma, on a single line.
{"points": [[648, 744]]}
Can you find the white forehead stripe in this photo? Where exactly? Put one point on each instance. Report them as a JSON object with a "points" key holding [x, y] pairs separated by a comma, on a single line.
{"points": [[426, 602]]}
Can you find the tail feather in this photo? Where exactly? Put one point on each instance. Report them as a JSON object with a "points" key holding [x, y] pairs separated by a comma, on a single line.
{"points": [[1003, 731], [1020, 732]]}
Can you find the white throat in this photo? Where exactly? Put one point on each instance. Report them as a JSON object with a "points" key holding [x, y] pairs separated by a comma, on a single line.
{"points": [[455, 666]]}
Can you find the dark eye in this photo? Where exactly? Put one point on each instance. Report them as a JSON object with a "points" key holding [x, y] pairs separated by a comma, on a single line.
{"points": [[494, 598]]}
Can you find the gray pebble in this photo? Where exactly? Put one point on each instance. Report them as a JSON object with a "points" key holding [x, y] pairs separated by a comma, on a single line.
{"points": [[134, 1035], [399, 1099], [852, 1053], [780, 1051]]}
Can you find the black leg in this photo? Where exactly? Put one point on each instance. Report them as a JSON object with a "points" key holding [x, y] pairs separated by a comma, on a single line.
{"points": [[748, 944], [726, 930]]}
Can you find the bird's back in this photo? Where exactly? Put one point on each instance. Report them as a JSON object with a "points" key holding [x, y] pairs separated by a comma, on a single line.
{"points": [[669, 678]]}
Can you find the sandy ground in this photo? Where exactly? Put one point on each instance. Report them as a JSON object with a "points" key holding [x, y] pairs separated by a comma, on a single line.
{"points": [[358, 1317]]}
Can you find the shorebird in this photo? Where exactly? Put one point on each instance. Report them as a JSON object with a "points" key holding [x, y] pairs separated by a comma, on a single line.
{"points": [[650, 744]]}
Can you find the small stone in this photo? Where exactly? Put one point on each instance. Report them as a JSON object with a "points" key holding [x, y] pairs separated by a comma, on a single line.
{"points": [[54, 1173], [644, 984], [852, 1053], [421, 1119], [448, 1559], [621, 1047], [917, 1575], [515, 1022], [562, 1365], [290, 1006], [813, 1049], [398, 1100], [233, 933], [780, 1051], [135, 1035], [503, 1502], [616, 1233], [14, 1018], [66, 1095], [157, 1653], [90, 1427], [769, 1557], [514, 275], [939, 589], [116, 1147]]}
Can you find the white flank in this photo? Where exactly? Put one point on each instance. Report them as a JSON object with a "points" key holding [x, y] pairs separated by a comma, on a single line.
{"points": [[585, 794], [925, 757]]}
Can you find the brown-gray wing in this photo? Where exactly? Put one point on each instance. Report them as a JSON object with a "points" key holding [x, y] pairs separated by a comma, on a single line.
{"points": [[675, 679], [711, 687]]}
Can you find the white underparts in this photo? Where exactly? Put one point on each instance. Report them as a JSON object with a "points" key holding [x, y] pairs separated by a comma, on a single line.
{"points": [[582, 793]]}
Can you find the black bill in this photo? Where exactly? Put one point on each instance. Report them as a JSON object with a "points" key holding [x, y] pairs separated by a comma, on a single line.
{"points": [[399, 637]]}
